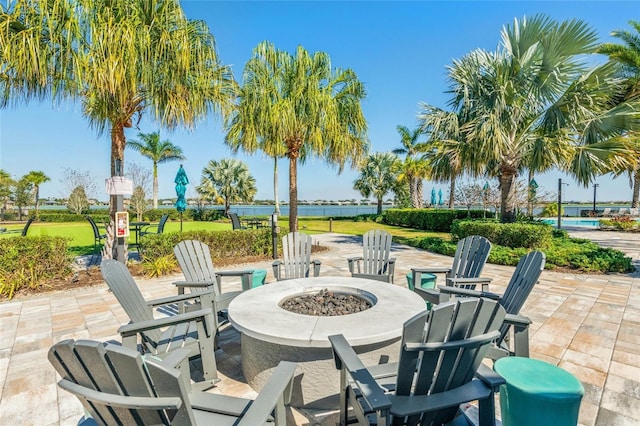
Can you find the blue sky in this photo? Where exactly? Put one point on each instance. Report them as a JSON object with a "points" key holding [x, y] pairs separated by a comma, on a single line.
{"points": [[399, 50]]}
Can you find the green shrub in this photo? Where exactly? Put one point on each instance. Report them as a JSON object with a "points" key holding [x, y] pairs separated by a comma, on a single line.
{"points": [[31, 262], [437, 220], [551, 210], [623, 223], [225, 246], [514, 235]]}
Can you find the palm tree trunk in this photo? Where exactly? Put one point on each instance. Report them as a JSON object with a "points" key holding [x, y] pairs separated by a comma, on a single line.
{"points": [[293, 193], [507, 189], [452, 191], [636, 187], [379, 205], [530, 194], [275, 185], [419, 196], [155, 185], [117, 155], [37, 204]]}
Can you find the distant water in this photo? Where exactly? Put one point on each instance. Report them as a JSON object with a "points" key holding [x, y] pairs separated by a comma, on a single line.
{"points": [[335, 211]]}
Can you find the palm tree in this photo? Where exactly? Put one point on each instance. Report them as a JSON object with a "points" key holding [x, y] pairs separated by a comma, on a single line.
{"points": [[296, 106], [535, 86], [628, 56], [378, 176], [415, 169], [122, 57], [36, 178], [158, 152], [229, 179]]}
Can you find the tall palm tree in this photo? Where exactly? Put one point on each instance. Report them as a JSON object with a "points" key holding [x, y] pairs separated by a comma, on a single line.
{"points": [[536, 85], [36, 178], [122, 58], [229, 179], [378, 176], [628, 56], [415, 168], [296, 106], [158, 152]]}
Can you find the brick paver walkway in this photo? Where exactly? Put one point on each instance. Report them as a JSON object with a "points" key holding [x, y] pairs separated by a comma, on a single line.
{"points": [[587, 324]]}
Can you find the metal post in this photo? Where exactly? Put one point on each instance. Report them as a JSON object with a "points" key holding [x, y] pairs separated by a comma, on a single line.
{"points": [[595, 186], [559, 203], [274, 234], [330, 224], [119, 208]]}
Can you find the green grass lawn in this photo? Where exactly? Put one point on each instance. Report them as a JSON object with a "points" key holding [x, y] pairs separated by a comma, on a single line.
{"points": [[81, 235]]}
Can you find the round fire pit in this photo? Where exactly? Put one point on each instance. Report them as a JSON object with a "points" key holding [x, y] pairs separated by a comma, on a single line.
{"points": [[327, 303], [270, 334]]}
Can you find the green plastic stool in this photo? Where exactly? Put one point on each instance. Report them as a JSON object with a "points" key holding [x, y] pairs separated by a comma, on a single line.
{"points": [[427, 280], [259, 276], [537, 393]]}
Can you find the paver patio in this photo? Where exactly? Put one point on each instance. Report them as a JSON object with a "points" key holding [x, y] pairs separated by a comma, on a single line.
{"points": [[587, 324]]}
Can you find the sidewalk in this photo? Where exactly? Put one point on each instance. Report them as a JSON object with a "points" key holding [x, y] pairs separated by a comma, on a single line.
{"points": [[587, 324]]}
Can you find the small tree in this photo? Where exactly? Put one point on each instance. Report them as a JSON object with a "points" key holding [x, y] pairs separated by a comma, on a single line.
{"points": [[379, 176], [138, 202], [468, 194], [6, 185], [140, 176], [229, 179], [78, 201], [22, 194], [72, 179]]}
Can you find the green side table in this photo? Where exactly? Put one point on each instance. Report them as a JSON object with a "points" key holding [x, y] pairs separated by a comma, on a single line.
{"points": [[537, 393], [427, 281], [259, 277]]}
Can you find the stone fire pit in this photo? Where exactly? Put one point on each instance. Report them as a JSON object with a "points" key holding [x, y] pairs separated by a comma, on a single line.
{"points": [[270, 334]]}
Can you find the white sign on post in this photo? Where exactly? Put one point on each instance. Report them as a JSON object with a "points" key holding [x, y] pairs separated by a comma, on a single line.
{"points": [[118, 185]]}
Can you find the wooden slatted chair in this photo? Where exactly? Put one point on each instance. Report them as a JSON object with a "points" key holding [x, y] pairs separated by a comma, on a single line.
{"points": [[161, 336], [516, 327], [296, 263], [471, 255], [194, 258], [441, 353], [117, 386], [375, 262]]}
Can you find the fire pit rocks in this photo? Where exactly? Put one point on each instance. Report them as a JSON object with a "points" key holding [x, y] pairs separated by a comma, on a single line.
{"points": [[270, 333]]}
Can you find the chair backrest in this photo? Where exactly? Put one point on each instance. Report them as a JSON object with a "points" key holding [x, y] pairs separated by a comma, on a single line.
{"points": [[471, 255], [94, 227], [26, 227], [606, 211], [635, 211], [125, 289], [163, 220], [524, 277], [195, 261], [441, 349], [296, 253], [376, 247], [235, 221], [116, 386]]}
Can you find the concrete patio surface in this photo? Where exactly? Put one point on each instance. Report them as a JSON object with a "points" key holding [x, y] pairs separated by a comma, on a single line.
{"points": [[586, 324]]}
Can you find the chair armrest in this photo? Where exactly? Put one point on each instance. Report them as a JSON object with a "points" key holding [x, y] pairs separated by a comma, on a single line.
{"points": [[457, 282], [428, 294], [273, 395], [205, 315], [391, 263], [517, 320], [197, 284], [174, 299], [469, 293], [432, 270], [246, 276], [316, 267], [347, 360], [520, 334], [354, 260], [490, 377]]}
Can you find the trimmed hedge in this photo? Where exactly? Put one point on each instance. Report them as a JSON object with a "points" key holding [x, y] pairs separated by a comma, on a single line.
{"points": [[224, 245], [153, 215], [32, 262], [437, 220], [527, 235]]}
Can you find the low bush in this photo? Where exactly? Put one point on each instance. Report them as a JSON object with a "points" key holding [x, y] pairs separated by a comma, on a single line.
{"points": [[437, 220], [226, 246], [31, 262], [623, 223], [514, 235], [570, 253]]}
